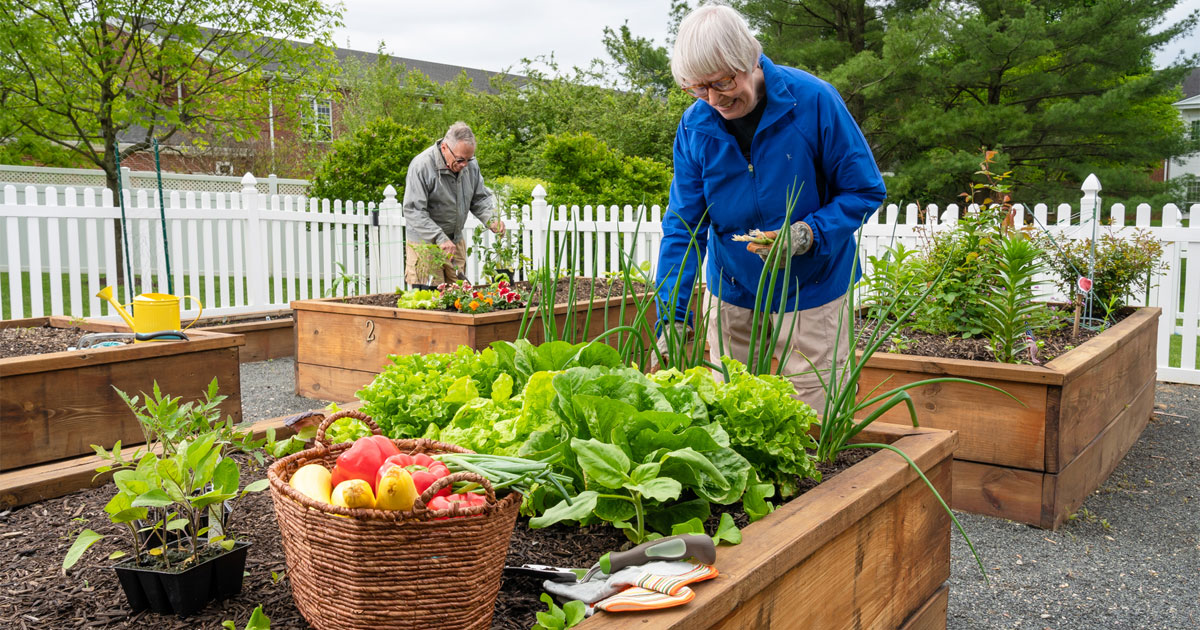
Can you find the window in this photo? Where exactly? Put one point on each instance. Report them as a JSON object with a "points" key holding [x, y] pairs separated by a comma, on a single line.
{"points": [[317, 120], [224, 168], [1196, 130], [1193, 190]]}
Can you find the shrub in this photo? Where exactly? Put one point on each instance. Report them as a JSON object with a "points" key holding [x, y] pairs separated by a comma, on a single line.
{"points": [[1124, 266], [361, 166], [584, 170]]}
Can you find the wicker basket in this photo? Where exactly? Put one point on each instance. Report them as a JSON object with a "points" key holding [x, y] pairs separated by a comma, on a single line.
{"points": [[389, 569]]}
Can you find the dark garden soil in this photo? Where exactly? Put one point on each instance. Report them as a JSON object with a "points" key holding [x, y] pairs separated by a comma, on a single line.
{"points": [[918, 343], [35, 594], [584, 287], [18, 342]]}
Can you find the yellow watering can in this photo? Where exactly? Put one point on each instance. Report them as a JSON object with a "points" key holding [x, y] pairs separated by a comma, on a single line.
{"points": [[152, 312]]}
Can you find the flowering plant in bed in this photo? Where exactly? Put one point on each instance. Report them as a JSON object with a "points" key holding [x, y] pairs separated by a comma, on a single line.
{"points": [[463, 297]]}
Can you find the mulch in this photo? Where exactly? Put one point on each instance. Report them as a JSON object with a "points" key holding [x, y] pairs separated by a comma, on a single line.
{"points": [[34, 593]]}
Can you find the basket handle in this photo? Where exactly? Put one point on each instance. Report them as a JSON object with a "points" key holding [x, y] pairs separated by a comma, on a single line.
{"points": [[323, 442], [420, 505]]}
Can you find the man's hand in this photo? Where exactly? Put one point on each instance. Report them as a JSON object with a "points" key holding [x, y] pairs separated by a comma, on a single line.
{"points": [[800, 239], [448, 247], [497, 226]]}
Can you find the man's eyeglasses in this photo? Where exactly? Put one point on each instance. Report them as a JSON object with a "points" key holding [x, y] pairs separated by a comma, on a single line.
{"points": [[700, 90], [457, 160]]}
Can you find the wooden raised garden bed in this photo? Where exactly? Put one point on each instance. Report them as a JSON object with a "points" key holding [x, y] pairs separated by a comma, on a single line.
{"points": [[1035, 463], [269, 335], [869, 548], [54, 406], [341, 347]]}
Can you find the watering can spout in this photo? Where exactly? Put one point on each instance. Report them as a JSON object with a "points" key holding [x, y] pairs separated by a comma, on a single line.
{"points": [[107, 294]]}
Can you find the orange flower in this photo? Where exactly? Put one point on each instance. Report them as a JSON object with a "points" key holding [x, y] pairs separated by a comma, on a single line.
{"points": [[474, 305], [458, 304], [489, 301]]}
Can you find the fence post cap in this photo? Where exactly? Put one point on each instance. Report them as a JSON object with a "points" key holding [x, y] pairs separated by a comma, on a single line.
{"points": [[390, 191], [539, 192], [248, 179], [1091, 184]]}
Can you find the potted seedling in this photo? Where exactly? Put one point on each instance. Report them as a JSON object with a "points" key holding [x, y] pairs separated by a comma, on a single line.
{"points": [[173, 500]]}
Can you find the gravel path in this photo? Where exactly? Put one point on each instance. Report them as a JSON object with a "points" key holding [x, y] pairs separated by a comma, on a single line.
{"points": [[1130, 558], [269, 390]]}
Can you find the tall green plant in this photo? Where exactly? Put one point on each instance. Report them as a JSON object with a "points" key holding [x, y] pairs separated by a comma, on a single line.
{"points": [[1013, 309]]}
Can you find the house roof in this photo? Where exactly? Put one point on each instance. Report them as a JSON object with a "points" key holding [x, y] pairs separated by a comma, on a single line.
{"points": [[1191, 84], [1188, 103], [440, 72]]}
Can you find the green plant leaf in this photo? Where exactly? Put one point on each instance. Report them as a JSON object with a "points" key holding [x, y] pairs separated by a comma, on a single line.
{"points": [[258, 620], [727, 531], [257, 486], [580, 508], [692, 526], [661, 489], [153, 498], [605, 464], [177, 524], [226, 476], [645, 472], [82, 543], [575, 611]]}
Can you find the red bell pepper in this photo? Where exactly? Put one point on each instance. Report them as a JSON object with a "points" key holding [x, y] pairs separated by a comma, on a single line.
{"points": [[463, 500], [363, 459], [424, 470]]}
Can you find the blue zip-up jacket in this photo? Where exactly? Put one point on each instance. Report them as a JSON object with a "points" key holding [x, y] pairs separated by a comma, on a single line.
{"points": [[806, 139]]}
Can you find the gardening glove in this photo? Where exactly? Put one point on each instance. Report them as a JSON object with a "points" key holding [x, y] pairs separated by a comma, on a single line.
{"points": [[801, 240], [682, 334], [668, 578]]}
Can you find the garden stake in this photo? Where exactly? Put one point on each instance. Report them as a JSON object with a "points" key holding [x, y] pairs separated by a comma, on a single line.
{"points": [[162, 213], [124, 232]]}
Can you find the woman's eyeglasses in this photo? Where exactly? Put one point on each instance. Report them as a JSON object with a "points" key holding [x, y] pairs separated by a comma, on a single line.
{"points": [[700, 90]]}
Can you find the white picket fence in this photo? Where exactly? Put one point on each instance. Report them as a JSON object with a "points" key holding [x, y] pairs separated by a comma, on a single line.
{"points": [[42, 177], [248, 251]]}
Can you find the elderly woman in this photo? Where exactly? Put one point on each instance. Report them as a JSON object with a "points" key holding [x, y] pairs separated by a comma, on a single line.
{"points": [[757, 133]]}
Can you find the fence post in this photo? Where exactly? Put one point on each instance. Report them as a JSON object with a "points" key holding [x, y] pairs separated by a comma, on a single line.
{"points": [[1089, 210], [540, 217], [381, 254], [256, 254], [126, 181], [272, 184]]}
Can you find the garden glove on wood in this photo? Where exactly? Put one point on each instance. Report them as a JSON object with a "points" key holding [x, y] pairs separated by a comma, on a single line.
{"points": [[799, 237], [665, 578]]}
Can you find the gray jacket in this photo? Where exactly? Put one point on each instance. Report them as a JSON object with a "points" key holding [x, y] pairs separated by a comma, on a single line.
{"points": [[436, 200]]}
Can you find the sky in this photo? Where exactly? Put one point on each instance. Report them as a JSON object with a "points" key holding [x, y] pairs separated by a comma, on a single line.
{"points": [[497, 34]]}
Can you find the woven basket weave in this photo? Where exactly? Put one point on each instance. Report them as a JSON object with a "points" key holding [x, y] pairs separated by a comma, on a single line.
{"points": [[390, 569]]}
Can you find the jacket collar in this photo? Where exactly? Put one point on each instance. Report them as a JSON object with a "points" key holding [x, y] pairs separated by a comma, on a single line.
{"points": [[702, 117]]}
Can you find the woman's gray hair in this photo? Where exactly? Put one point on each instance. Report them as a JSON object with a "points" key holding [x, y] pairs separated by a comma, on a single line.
{"points": [[713, 38], [459, 133]]}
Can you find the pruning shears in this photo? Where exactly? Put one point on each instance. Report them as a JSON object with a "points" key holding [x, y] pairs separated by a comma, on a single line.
{"points": [[545, 572]]}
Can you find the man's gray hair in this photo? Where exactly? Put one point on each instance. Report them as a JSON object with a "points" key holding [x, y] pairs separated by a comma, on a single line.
{"points": [[713, 38], [459, 133]]}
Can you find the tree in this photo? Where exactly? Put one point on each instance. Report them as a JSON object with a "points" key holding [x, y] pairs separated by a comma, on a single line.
{"points": [[83, 74], [641, 65], [362, 165], [1062, 88]]}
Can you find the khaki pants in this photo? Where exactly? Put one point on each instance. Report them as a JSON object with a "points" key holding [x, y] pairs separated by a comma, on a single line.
{"points": [[812, 337], [432, 277]]}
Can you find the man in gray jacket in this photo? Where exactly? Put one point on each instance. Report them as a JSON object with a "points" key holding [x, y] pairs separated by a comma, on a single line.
{"points": [[443, 184]]}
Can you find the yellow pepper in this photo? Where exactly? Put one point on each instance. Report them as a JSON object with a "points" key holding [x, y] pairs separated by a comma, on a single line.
{"points": [[396, 489]]}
